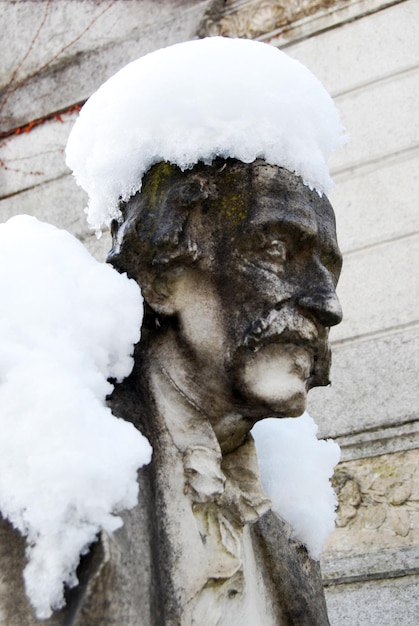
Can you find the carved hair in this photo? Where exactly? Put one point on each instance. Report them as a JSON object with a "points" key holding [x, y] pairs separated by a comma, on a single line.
{"points": [[157, 227]]}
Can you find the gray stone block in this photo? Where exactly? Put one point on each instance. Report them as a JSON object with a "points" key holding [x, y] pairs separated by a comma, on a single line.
{"points": [[350, 568], [72, 56], [33, 158], [381, 120], [378, 441], [374, 384], [378, 289], [376, 204], [377, 603], [363, 49], [60, 202]]}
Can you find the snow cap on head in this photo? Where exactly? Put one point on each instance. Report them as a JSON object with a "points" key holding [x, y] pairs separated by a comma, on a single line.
{"points": [[195, 101]]}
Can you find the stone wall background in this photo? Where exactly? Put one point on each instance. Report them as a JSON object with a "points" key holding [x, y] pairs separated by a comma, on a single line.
{"points": [[54, 54], [371, 67]]}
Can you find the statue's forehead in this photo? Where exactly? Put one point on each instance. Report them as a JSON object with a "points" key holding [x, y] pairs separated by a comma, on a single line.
{"points": [[252, 195], [274, 211], [284, 202]]}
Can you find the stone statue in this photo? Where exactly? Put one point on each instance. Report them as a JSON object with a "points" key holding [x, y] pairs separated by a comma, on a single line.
{"points": [[238, 265]]}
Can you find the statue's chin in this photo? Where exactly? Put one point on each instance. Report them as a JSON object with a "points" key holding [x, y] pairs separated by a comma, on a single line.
{"points": [[276, 378], [286, 403]]}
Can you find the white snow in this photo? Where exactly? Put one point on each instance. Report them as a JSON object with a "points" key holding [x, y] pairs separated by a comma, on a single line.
{"points": [[192, 102], [67, 465], [295, 469]]}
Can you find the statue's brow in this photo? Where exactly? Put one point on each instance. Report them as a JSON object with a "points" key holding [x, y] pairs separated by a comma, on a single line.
{"points": [[305, 230]]}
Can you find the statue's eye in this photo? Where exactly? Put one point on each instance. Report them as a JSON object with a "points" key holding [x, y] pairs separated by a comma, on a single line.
{"points": [[266, 253], [276, 250]]}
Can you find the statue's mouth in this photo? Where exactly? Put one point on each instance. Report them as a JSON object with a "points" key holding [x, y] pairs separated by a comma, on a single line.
{"points": [[290, 328]]}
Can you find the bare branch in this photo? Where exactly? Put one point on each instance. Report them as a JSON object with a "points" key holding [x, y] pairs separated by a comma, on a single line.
{"points": [[25, 56], [52, 59]]}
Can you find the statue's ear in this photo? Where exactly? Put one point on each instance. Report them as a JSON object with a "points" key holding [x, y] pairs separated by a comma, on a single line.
{"points": [[160, 293]]}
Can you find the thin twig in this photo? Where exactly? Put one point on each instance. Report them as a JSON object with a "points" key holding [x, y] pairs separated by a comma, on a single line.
{"points": [[25, 56], [52, 59]]}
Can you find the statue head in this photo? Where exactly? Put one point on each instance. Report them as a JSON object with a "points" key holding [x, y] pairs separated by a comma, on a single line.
{"points": [[238, 263], [236, 256]]}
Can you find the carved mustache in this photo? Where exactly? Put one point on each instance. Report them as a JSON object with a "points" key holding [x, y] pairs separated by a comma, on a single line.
{"points": [[284, 325], [288, 326]]}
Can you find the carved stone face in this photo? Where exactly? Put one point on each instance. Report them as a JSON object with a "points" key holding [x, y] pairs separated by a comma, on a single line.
{"points": [[261, 311], [252, 309]]}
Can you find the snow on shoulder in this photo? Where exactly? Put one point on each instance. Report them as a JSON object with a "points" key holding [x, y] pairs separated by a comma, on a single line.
{"points": [[195, 101], [67, 465], [295, 469]]}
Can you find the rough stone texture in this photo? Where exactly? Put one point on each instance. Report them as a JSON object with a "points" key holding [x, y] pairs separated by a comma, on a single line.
{"points": [[31, 159], [59, 202], [385, 271], [385, 134], [251, 18], [384, 602], [56, 54], [383, 221], [199, 244], [62, 51], [363, 49], [381, 391], [341, 569], [378, 504]]}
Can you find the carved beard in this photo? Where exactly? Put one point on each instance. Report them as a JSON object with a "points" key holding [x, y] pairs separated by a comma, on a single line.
{"points": [[287, 326]]}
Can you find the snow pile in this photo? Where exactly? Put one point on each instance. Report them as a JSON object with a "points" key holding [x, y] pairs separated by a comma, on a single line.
{"points": [[67, 465], [194, 101], [295, 468]]}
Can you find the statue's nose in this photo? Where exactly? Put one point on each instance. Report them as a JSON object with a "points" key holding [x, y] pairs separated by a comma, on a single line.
{"points": [[325, 306]]}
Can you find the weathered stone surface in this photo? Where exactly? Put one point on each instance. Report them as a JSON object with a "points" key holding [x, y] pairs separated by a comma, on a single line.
{"points": [[380, 391], [367, 49], [251, 19], [70, 54], [387, 563], [380, 440], [386, 289], [372, 557], [59, 202], [378, 504], [363, 217], [373, 402], [383, 602], [231, 294], [33, 158], [385, 133]]}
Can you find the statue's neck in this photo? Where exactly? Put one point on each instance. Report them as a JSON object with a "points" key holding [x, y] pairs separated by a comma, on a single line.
{"points": [[211, 473], [198, 392]]}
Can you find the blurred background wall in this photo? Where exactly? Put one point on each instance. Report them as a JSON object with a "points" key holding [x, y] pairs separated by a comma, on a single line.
{"points": [[54, 54]]}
